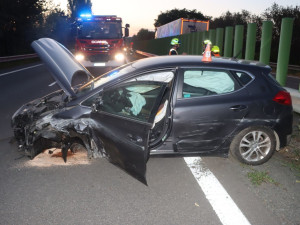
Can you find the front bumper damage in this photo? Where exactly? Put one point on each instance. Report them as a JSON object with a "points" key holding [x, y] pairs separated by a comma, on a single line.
{"points": [[37, 127]]}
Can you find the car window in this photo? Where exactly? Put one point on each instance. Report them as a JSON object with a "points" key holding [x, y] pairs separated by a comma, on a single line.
{"points": [[165, 77], [244, 78], [136, 97], [206, 82]]}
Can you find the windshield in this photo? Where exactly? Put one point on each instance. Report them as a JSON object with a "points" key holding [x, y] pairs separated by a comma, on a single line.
{"points": [[105, 78], [100, 30]]}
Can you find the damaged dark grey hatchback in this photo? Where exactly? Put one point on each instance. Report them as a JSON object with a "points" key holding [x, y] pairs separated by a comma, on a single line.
{"points": [[159, 105]]}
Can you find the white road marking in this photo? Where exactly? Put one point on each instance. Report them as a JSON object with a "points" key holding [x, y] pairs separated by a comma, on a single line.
{"points": [[222, 203], [50, 85], [14, 71]]}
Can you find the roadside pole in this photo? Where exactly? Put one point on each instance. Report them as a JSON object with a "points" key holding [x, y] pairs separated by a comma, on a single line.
{"points": [[266, 40], [220, 39], [238, 41], [212, 36], [198, 43], [251, 41], [228, 41], [284, 50]]}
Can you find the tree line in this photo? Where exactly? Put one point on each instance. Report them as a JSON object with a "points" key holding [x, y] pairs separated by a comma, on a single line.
{"points": [[274, 13], [21, 22]]}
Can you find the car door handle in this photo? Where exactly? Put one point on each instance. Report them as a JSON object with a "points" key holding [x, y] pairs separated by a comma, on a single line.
{"points": [[238, 107], [134, 139]]}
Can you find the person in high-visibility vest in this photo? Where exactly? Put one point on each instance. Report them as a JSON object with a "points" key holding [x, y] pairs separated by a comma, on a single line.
{"points": [[215, 51], [175, 43]]}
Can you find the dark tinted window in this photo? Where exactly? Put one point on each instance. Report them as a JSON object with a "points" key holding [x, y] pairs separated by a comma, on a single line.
{"points": [[244, 78], [100, 30]]}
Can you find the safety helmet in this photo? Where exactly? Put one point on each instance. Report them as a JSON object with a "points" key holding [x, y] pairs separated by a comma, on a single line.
{"points": [[206, 42], [215, 49], [175, 41]]}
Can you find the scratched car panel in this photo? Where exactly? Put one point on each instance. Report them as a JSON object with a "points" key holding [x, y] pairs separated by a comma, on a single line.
{"points": [[159, 105]]}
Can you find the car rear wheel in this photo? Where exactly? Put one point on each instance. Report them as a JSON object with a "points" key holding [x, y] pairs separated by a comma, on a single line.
{"points": [[254, 145]]}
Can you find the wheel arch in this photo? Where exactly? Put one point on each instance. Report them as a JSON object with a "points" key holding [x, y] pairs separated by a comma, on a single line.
{"points": [[234, 148], [277, 141]]}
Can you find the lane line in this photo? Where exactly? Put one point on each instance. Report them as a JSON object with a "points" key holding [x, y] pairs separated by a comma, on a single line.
{"points": [[14, 71], [50, 85], [222, 203]]}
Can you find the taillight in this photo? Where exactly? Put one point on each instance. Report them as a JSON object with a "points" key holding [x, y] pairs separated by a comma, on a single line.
{"points": [[283, 97]]}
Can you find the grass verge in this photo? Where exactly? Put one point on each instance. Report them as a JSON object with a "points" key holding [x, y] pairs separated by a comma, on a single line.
{"points": [[291, 153], [258, 177]]}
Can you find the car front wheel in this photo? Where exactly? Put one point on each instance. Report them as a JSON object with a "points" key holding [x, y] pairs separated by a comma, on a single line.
{"points": [[253, 145]]}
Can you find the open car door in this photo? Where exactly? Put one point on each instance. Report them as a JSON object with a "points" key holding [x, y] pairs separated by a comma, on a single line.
{"points": [[124, 116]]}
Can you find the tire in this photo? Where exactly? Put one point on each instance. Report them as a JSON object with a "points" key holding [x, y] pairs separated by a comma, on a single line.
{"points": [[253, 145]]}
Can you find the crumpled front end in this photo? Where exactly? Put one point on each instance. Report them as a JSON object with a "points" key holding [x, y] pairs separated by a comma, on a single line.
{"points": [[37, 126], [25, 120]]}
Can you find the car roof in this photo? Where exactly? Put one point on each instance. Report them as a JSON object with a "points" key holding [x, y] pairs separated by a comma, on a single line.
{"points": [[190, 60], [164, 62]]}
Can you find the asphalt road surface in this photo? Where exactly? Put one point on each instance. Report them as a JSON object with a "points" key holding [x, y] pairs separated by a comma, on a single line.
{"points": [[100, 193]]}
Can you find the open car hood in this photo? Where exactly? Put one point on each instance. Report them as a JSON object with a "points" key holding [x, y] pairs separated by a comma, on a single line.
{"points": [[66, 70]]}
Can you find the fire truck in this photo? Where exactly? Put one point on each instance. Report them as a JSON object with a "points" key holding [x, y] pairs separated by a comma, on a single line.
{"points": [[100, 41]]}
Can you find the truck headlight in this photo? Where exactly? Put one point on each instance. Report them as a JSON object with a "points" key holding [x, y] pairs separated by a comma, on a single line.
{"points": [[79, 57], [119, 57]]}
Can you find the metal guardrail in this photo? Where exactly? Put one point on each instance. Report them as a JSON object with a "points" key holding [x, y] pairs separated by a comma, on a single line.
{"points": [[17, 57], [290, 67], [145, 53], [28, 56]]}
